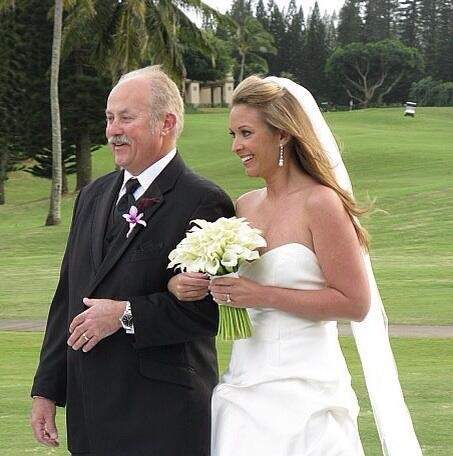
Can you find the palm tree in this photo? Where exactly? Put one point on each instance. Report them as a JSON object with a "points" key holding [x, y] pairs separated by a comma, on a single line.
{"points": [[251, 40], [54, 216], [130, 33]]}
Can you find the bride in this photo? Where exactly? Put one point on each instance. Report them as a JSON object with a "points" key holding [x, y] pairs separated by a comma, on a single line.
{"points": [[287, 390]]}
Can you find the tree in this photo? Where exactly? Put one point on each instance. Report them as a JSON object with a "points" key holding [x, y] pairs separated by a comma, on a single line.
{"points": [[131, 33], [350, 24], [11, 94], [315, 54], [203, 68], [251, 40], [277, 28], [295, 43], [37, 35], [240, 9], [428, 92], [429, 34], [370, 71], [443, 67], [82, 97], [261, 14], [331, 31], [43, 164], [26, 130], [25, 52], [54, 216], [77, 83], [379, 20], [409, 22]]}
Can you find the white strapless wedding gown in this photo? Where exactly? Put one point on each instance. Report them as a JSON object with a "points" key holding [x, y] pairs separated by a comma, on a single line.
{"points": [[287, 390]]}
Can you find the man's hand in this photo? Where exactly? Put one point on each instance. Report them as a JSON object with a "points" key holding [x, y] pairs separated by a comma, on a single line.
{"points": [[43, 421], [101, 320], [189, 286]]}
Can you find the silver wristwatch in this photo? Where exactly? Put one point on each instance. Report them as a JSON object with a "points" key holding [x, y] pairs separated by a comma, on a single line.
{"points": [[126, 319]]}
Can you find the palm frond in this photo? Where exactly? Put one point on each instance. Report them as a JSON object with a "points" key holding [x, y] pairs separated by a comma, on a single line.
{"points": [[5, 4], [79, 25]]}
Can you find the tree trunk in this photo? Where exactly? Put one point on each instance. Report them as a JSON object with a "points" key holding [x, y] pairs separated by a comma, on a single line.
{"points": [[241, 74], [64, 181], [83, 141], [3, 167], [54, 216], [83, 159], [381, 96]]}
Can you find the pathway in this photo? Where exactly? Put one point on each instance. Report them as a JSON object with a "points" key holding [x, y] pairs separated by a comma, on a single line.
{"points": [[428, 331]]}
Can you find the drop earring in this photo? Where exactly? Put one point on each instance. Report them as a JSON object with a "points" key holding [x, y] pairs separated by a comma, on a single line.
{"points": [[280, 156]]}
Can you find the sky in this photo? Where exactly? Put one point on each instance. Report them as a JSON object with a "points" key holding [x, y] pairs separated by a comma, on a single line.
{"points": [[329, 5]]}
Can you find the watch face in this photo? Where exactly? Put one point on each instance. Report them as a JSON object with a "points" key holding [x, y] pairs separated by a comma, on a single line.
{"points": [[127, 320]]}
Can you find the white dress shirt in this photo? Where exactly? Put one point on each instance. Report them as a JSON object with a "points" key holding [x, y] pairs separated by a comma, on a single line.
{"points": [[146, 177]]}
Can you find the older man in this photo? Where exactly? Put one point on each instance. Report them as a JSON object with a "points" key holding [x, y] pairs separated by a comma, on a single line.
{"points": [[134, 366]]}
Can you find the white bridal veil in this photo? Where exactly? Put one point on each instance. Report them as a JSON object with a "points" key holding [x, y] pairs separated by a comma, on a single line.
{"points": [[392, 417]]}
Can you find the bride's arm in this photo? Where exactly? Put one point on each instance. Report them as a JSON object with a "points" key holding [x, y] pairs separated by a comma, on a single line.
{"points": [[346, 295]]}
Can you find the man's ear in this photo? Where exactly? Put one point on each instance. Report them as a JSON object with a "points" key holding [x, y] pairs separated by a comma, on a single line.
{"points": [[169, 124]]}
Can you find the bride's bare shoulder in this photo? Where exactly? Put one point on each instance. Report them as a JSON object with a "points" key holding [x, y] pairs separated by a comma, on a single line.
{"points": [[323, 203], [248, 200]]}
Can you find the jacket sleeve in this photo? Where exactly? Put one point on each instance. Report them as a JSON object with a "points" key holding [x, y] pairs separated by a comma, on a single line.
{"points": [[160, 318], [50, 377]]}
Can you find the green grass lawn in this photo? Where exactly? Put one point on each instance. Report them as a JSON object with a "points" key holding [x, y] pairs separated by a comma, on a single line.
{"points": [[405, 163], [425, 371]]}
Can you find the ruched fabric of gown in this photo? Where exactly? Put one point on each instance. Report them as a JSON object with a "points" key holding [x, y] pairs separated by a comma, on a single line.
{"points": [[287, 391]]}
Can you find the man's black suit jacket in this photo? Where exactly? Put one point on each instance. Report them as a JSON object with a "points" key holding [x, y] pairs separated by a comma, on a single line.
{"points": [[148, 393]]}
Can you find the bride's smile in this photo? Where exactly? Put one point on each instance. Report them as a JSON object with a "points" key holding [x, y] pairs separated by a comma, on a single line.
{"points": [[254, 141]]}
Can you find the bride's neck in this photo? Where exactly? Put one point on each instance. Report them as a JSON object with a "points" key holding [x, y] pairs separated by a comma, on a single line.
{"points": [[284, 182]]}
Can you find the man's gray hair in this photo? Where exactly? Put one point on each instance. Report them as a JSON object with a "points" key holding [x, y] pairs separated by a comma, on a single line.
{"points": [[164, 95]]}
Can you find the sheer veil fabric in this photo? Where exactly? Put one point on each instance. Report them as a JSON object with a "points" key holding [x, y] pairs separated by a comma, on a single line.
{"points": [[392, 417]]}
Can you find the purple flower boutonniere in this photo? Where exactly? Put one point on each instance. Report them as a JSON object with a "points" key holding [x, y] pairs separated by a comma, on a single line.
{"points": [[133, 218]]}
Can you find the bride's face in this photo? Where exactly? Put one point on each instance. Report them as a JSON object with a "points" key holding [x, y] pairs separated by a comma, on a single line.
{"points": [[254, 141]]}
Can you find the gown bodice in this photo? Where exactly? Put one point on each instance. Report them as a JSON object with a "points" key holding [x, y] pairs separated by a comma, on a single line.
{"points": [[284, 345]]}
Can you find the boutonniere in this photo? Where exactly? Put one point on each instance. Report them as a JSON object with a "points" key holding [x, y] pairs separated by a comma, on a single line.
{"points": [[133, 218]]}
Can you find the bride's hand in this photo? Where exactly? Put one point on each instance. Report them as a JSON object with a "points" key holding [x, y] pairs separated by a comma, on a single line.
{"points": [[236, 292], [189, 286]]}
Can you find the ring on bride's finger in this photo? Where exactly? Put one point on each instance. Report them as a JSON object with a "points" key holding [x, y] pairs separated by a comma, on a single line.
{"points": [[85, 337], [228, 298]]}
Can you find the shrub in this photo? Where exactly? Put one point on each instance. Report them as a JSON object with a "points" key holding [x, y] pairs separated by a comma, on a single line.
{"points": [[429, 92]]}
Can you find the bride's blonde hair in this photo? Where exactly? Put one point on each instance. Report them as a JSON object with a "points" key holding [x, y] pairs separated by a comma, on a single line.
{"points": [[283, 112]]}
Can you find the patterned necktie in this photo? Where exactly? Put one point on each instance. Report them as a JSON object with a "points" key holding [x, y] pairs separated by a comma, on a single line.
{"points": [[127, 200]]}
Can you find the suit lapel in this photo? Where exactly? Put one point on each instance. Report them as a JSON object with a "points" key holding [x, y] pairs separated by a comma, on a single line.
{"points": [[148, 203], [102, 209]]}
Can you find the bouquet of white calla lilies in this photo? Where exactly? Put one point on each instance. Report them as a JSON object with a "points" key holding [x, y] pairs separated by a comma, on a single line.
{"points": [[219, 248]]}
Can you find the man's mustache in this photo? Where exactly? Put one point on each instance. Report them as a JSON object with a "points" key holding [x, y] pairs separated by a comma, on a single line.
{"points": [[119, 139]]}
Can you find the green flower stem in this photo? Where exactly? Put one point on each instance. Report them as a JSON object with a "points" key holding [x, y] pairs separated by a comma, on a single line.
{"points": [[234, 323]]}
